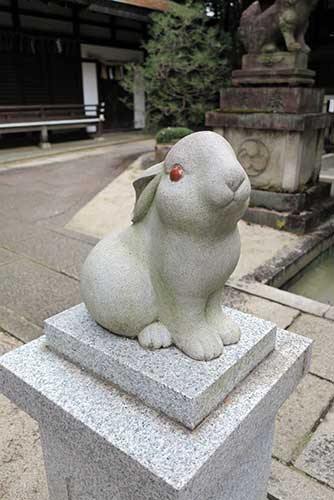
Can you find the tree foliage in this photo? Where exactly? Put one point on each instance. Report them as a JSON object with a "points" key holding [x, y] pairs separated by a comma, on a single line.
{"points": [[187, 62], [224, 13]]}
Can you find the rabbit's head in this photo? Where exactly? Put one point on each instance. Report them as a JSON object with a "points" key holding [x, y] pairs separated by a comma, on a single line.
{"points": [[200, 186]]}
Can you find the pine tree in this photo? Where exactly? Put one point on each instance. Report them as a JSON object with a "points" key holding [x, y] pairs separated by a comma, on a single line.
{"points": [[187, 63]]}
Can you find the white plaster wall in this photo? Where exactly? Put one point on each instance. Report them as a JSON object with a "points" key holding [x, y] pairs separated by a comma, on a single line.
{"points": [[90, 87]]}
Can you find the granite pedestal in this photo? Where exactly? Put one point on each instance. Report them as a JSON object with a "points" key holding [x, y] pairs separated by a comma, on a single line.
{"points": [[167, 380], [114, 423]]}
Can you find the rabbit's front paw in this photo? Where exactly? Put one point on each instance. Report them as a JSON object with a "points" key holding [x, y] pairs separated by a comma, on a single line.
{"points": [[154, 336], [203, 345]]}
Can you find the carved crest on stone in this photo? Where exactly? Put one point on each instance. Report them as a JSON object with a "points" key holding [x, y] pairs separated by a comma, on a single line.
{"points": [[254, 156]]}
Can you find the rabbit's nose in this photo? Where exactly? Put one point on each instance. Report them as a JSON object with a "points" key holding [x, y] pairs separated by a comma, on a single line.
{"points": [[234, 181]]}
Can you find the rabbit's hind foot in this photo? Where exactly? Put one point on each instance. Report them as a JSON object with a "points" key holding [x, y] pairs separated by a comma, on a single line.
{"points": [[229, 331], [155, 336]]}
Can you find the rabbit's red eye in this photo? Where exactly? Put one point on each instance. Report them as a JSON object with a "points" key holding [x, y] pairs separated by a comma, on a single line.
{"points": [[176, 173]]}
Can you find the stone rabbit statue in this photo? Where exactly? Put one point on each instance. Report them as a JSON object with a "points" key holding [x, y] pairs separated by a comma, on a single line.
{"points": [[161, 280]]}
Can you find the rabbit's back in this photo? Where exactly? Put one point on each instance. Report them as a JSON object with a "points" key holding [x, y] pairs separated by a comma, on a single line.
{"points": [[116, 288]]}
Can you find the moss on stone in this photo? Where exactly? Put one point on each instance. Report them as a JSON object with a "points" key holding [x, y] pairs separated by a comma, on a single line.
{"points": [[280, 223]]}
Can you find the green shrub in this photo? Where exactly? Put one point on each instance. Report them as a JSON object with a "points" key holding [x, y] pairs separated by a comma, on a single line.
{"points": [[171, 134]]}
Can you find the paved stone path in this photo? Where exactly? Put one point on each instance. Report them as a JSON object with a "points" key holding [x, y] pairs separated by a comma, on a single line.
{"points": [[39, 261], [26, 156], [39, 269]]}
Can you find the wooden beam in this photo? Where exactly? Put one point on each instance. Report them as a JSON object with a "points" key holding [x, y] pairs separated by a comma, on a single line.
{"points": [[15, 15], [161, 5], [119, 12], [76, 22]]}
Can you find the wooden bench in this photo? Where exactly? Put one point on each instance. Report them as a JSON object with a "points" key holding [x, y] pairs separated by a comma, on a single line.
{"points": [[43, 118]]}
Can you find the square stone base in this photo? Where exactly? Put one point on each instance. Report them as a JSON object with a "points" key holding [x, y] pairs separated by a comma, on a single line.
{"points": [[295, 212], [270, 61], [299, 222], [290, 202], [274, 76], [73, 476], [274, 68], [165, 379]]}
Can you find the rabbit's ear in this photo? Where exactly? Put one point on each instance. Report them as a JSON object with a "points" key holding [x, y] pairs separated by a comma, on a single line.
{"points": [[145, 187]]}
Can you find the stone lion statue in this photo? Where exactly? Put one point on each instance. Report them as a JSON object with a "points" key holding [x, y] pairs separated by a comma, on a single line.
{"points": [[161, 280], [279, 27]]}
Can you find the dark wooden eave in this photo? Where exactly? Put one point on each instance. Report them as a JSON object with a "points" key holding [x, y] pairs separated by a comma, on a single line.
{"points": [[138, 10], [146, 4]]}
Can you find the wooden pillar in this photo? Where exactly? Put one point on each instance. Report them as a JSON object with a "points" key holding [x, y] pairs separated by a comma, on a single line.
{"points": [[44, 139]]}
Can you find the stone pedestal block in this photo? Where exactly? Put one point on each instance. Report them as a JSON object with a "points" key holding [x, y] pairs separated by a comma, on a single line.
{"points": [[261, 77], [274, 68], [271, 100], [100, 442], [290, 202], [279, 151], [277, 60]]}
